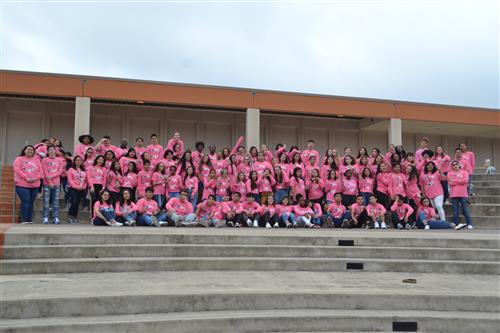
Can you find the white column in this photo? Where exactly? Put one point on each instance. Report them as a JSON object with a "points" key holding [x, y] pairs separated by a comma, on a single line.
{"points": [[253, 128], [395, 131], [82, 117]]}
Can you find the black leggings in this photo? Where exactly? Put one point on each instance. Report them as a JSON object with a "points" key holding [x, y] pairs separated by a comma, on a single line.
{"points": [[348, 200], [271, 219], [383, 199], [75, 196], [94, 196]]}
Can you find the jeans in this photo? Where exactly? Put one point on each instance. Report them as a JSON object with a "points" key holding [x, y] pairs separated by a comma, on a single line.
{"points": [[127, 218], [193, 199], [280, 194], [108, 213], [174, 217], [28, 197], [51, 194], [145, 219], [64, 185], [75, 196], [303, 222], [433, 224], [288, 218], [337, 222], [446, 191], [173, 195], [160, 200], [437, 202], [456, 203]]}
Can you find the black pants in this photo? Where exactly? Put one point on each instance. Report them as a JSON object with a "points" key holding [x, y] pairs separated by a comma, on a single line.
{"points": [[245, 217], [396, 220], [94, 196], [348, 200], [114, 197], [271, 219], [235, 219], [75, 196], [383, 199], [362, 219]]}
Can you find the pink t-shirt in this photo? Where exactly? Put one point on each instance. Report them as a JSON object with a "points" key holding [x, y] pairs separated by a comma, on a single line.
{"points": [[77, 179], [146, 206], [356, 209], [366, 184], [403, 210], [315, 189], [27, 168], [396, 184], [301, 211], [232, 207], [113, 181], [52, 167], [125, 209], [349, 186], [251, 208], [336, 210], [431, 184], [375, 210], [179, 207]]}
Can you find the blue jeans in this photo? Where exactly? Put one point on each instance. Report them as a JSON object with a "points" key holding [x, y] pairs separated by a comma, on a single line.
{"points": [[160, 199], [127, 218], [433, 224], [456, 203], [337, 222], [280, 194], [108, 213], [28, 197], [173, 195], [288, 217], [145, 219], [316, 220], [51, 195], [219, 198], [64, 185], [193, 199], [174, 217]]}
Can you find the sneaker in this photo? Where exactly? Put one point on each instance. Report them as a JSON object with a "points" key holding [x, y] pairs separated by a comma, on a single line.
{"points": [[249, 222], [163, 223], [230, 224], [460, 226], [452, 225], [345, 223], [255, 224], [133, 223], [470, 227], [127, 223], [408, 226], [237, 225], [383, 225], [221, 223], [45, 220], [377, 225], [399, 226], [295, 225], [56, 220], [289, 225], [267, 225], [27, 222], [116, 224], [427, 227], [154, 219], [414, 225], [276, 225]]}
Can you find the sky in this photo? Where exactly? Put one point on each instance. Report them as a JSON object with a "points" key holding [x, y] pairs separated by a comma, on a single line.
{"points": [[439, 51]]}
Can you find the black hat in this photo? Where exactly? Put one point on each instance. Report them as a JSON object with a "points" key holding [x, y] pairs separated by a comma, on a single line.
{"points": [[81, 137]]}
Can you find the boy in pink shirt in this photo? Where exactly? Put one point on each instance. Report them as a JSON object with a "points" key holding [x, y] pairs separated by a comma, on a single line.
{"points": [[401, 213], [337, 215], [176, 140], [251, 211], [358, 213], [233, 210], [52, 170], [376, 214], [458, 181], [155, 150], [149, 212], [104, 145], [86, 141], [180, 210], [310, 152], [209, 213]]}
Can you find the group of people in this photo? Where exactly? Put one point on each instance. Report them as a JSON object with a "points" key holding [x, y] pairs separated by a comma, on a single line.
{"points": [[155, 185]]}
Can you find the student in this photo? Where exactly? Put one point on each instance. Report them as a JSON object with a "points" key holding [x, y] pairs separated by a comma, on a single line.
{"points": [[337, 214], [149, 212], [139, 147], [77, 182], [126, 209], [489, 169], [303, 213], [86, 141], [198, 153], [159, 181], [67, 162], [190, 184], [109, 157], [104, 145], [251, 212], [253, 186], [239, 184], [401, 213], [96, 177], [442, 161], [180, 210], [333, 185], [52, 170], [28, 173], [130, 156], [129, 179], [222, 187], [176, 140], [103, 212], [297, 185], [430, 181], [396, 184], [458, 180], [366, 184], [155, 150], [424, 143], [358, 213], [209, 213], [219, 163], [262, 165], [269, 214], [281, 187], [317, 218], [412, 189], [113, 181], [285, 213], [265, 184], [144, 179], [427, 217], [376, 214], [315, 186], [310, 152], [233, 210], [185, 161], [349, 188]]}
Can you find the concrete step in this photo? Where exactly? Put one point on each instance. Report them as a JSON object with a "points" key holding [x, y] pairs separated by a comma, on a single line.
{"points": [[264, 320], [480, 222], [487, 183], [478, 210], [485, 199], [483, 177], [131, 264], [269, 251], [487, 190]]}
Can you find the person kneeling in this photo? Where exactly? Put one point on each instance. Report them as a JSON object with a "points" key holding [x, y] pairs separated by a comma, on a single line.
{"points": [[210, 213], [149, 212], [104, 214], [337, 215], [401, 213], [180, 211]]}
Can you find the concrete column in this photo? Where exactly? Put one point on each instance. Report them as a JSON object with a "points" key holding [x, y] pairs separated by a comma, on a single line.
{"points": [[82, 117], [253, 128], [395, 131]]}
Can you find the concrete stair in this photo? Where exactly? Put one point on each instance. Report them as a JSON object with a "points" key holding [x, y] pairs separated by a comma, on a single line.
{"points": [[96, 279]]}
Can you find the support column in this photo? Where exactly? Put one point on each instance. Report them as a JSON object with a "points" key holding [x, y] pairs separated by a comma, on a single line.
{"points": [[82, 117], [253, 128], [395, 131]]}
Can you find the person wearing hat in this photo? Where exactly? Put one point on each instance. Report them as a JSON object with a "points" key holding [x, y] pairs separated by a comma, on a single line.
{"points": [[86, 141]]}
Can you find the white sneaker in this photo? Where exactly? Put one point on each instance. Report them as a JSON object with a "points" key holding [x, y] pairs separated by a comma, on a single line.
{"points": [[427, 227], [45, 220], [56, 220], [383, 225], [237, 225], [470, 227], [133, 223], [249, 222], [268, 225], [460, 226], [276, 225], [116, 224], [162, 223], [377, 225], [255, 224]]}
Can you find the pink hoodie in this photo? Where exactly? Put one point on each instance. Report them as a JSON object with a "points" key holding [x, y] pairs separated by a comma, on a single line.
{"points": [[146, 206], [179, 207], [298, 186], [27, 168], [336, 210], [431, 184], [97, 175], [52, 167], [401, 211], [458, 180], [375, 210], [77, 179], [396, 184]]}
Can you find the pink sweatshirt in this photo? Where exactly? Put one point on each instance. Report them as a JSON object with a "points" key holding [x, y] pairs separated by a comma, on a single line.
{"points": [[336, 210], [284, 184], [315, 189], [172, 142], [401, 211], [223, 185], [264, 184], [97, 175], [174, 184], [307, 153], [470, 158], [396, 184], [129, 180], [298, 186], [143, 181], [179, 207], [245, 168], [431, 184], [349, 186], [442, 162], [81, 149], [77, 179], [332, 187], [356, 209], [53, 168], [191, 183], [125, 209], [301, 211], [260, 167], [412, 189], [147, 206], [429, 212], [268, 208], [232, 207], [382, 182], [156, 152], [159, 181], [251, 208], [209, 186], [366, 184], [113, 181], [218, 165], [240, 187], [376, 210], [458, 180], [27, 168], [282, 209]]}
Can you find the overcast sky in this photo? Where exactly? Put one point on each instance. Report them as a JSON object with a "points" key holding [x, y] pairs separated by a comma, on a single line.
{"points": [[428, 51]]}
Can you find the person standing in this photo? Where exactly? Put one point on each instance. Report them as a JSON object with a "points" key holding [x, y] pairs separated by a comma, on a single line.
{"points": [[458, 180], [52, 170]]}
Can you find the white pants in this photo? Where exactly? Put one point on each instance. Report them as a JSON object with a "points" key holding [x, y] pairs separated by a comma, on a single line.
{"points": [[437, 202]]}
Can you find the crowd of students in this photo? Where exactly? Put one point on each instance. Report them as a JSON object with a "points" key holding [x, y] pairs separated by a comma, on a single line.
{"points": [[286, 188]]}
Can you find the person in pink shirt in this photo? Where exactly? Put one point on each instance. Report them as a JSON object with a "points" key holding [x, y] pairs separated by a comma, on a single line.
{"points": [[96, 177], [458, 180], [424, 144], [174, 184], [310, 166], [130, 179], [328, 165], [251, 212], [268, 156], [430, 182], [88, 158], [245, 166], [190, 184], [282, 187], [381, 186], [427, 217], [52, 170], [376, 214], [41, 148], [265, 184], [297, 184], [426, 157], [204, 168], [198, 153], [159, 182], [284, 164], [358, 213], [104, 212], [376, 163], [104, 145], [180, 210], [149, 212], [155, 150], [310, 152], [349, 188], [185, 161], [126, 210], [139, 147], [144, 179], [314, 187], [222, 187], [233, 211], [261, 165], [333, 184], [363, 162], [362, 152], [412, 189], [296, 162], [253, 186], [303, 214], [401, 214], [366, 184], [269, 214], [209, 213], [130, 156], [239, 184], [337, 214], [286, 213], [176, 140], [219, 164], [209, 184], [388, 154], [348, 164], [374, 154], [317, 218], [86, 141], [397, 182], [77, 184], [470, 158], [113, 181], [442, 161]]}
